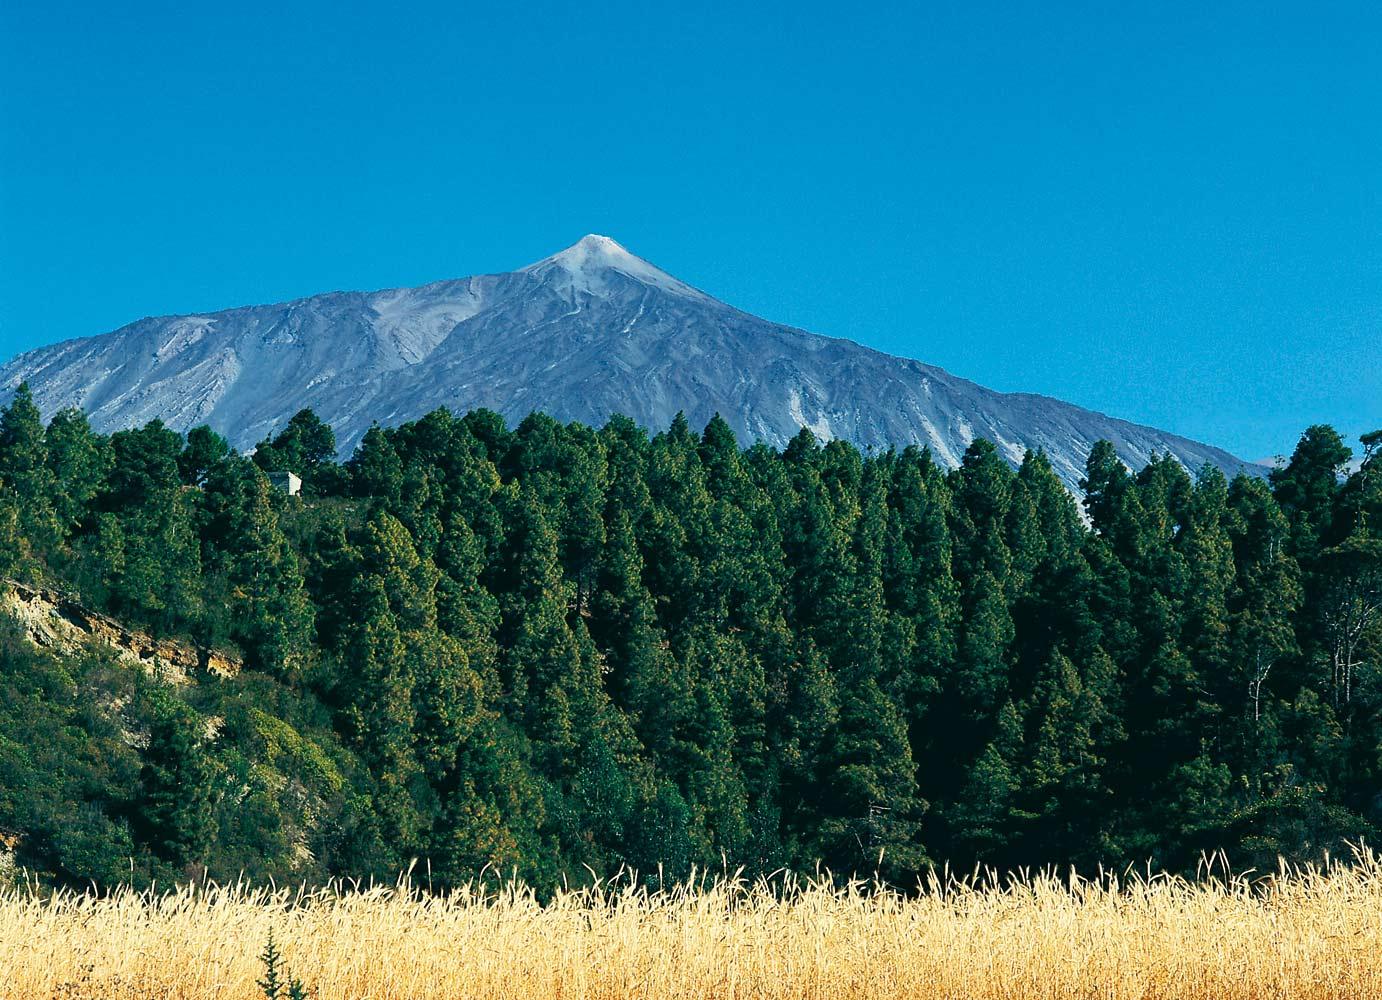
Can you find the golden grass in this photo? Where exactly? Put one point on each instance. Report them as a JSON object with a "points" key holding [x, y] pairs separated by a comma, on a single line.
{"points": [[1309, 934]]}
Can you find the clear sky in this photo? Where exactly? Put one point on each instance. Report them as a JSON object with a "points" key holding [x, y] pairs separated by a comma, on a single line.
{"points": [[1167, 212]]}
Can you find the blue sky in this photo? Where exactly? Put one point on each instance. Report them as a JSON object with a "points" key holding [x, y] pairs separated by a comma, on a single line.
{"points": [[1168, 213]]}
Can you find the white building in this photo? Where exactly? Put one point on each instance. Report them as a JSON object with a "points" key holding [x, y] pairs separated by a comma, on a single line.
{"points": [[288, 482]]}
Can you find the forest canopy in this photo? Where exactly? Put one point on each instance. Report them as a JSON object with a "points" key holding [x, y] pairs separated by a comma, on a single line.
{"points": [[558, 650]]}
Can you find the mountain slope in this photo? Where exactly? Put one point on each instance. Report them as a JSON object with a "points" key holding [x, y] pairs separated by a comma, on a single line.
{"points": [[585, 333]]}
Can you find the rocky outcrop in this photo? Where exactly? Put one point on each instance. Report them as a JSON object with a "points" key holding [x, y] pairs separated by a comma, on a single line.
{"points": [[56, 622]]}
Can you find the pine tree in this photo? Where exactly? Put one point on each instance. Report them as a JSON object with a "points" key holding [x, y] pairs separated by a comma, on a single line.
{"points": [[624, 625], [1350, 606], [206, 453], [980, 821], [740, 552], [1266, 597], [564, 467], [701, 757], [672, 528], [465, 609], [924, 597], [1210, 577], [870, 810], [379, 717], [1306, 488], [984, 486], [488, 428], [421, 507], [78, 460], [983, 563], [174, 808], [25, 473], [1349, 573], [330, 564], [266, 602], [391, 653], [145, 549], [1066, 809], [375, 469], [552, 675]]}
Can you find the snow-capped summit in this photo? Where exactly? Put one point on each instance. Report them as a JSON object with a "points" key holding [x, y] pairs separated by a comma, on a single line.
{"points": [[587, 264], [585, 333]]}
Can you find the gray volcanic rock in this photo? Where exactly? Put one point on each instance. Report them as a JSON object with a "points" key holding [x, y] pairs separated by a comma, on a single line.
{"points": [[584, 334]]}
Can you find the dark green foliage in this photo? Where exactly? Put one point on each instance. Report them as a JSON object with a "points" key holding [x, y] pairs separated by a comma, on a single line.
{"points": [[141, 556], [560, 651], [79, 461], [177, 783], [305, 447], [260, 599], [206, 453], [67, 774], [26, 477], [277, 984]]}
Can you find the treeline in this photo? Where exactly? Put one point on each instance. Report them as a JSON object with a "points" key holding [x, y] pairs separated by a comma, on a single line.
{"points": [[559, 649]]}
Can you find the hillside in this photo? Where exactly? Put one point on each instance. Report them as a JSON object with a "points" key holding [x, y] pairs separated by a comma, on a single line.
{"points": [[560, 650]]}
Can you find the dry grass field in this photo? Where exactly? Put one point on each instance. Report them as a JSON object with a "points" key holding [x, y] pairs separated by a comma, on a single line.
{"points": [[1308, 934]]}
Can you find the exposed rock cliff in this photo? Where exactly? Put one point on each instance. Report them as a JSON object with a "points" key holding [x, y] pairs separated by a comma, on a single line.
{"points": [[55, 622]]}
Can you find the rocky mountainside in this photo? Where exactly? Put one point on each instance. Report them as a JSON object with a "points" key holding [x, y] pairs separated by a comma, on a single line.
{"points": [[585, 333], [58, 622]]}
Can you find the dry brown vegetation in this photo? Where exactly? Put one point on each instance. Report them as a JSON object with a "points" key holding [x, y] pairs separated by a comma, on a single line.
{"points": [[1309, 933]]}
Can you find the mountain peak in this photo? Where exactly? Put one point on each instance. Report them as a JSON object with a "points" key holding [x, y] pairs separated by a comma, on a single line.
{"points": [[595, 243], [585, 266], [593, 251], [582, 334]]}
